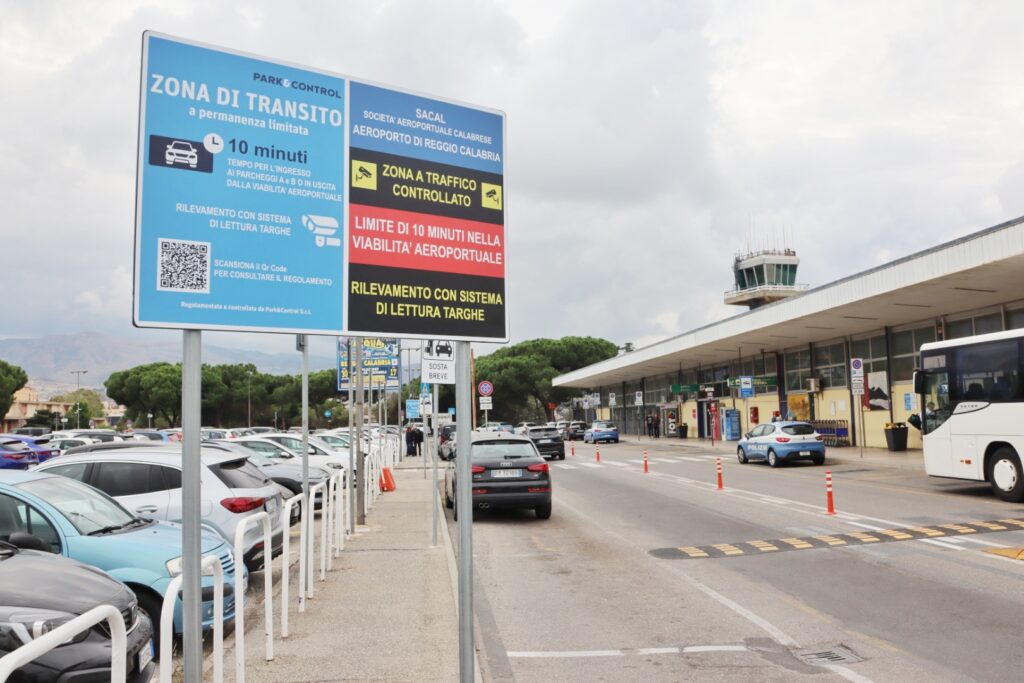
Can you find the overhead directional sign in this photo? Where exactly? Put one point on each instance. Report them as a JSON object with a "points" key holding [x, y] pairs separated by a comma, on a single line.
{"points": [[240, 201], [280, 199]]}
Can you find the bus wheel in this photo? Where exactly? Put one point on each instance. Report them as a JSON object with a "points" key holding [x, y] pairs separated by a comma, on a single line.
{"points": [[1004, 471]]}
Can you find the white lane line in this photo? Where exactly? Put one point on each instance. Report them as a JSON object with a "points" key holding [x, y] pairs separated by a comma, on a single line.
{"points": [[658, 651], [562, 466], [636, 461], [665, 461], [616, 463], [566, 654], [688, 458], [715, 648], [591, 464], [983, 542]]}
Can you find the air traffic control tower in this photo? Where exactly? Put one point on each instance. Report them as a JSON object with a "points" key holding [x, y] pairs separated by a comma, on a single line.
{"points": [[763, 277]]}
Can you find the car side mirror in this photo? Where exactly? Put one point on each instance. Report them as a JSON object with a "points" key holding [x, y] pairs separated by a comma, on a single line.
{"points": [[747, 435], [28, 541]]}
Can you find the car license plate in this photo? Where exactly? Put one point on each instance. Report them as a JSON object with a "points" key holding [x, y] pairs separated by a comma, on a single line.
{"points": [[544, 441], [506, 474], [145, 655], [805, 452]]}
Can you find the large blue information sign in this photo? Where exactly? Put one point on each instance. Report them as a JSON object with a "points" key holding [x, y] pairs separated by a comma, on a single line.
{"points": [[380, 363], [240, 206]]}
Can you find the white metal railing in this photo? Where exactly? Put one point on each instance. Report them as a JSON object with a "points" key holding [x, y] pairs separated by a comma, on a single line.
{"points": [[268, 590], [167, 621], [60, 635], [311, 534], [286, 553], [337, 489]]}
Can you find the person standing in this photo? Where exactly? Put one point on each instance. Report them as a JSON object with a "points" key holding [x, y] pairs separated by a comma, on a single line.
{"points": [[417, 435], [410, 441], [650, 425], [657, 426]]}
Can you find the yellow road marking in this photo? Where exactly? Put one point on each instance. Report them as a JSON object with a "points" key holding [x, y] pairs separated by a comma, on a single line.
{"points": [[831, 540], [728, 549], [693, 551], [763, 546], [989, 525], [959, 528], [862, 536], [1012, 553], [796, 543], [926, 531], [1016, 522], [898, 535]]}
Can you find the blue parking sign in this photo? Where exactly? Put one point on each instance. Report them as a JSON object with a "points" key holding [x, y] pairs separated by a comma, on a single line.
{"points": [[240, 208]]}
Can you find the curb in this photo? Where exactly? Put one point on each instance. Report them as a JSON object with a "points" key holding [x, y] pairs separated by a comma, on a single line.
{"points": [[453, 574]]}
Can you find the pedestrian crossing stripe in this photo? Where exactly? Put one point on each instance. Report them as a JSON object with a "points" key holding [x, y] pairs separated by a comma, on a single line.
{"points": [[851, 539]]}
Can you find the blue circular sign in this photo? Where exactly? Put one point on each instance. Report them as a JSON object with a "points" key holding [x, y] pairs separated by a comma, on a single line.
{"points": [[485, 388]]}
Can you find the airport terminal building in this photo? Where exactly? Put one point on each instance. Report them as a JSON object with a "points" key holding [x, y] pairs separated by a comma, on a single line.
{"points": [[796, 343]]}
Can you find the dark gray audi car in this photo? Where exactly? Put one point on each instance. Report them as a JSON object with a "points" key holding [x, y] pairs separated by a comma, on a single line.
{"points": [[508, 472]]}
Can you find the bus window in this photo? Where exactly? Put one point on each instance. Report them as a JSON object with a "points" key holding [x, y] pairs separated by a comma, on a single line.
{"points": [[987, 372], [936, 401]]}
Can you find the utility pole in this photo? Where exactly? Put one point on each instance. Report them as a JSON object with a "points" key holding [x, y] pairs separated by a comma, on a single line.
{"points": [[78, 403]]}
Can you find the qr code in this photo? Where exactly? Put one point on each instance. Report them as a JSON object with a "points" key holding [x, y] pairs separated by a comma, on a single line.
{"points": [[183, 266]]}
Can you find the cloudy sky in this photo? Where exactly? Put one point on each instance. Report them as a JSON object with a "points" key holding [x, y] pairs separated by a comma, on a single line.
{"points": [[648, 140]]}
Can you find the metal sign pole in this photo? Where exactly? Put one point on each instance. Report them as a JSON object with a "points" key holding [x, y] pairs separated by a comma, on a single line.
{"points": [[433, 405], [432, 445], [464, 506], [191, 495], [351, 483], [302, 344], [360, 456]]}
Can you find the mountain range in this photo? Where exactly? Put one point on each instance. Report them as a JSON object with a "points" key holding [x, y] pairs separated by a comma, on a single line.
{"points": [[50, 360]]}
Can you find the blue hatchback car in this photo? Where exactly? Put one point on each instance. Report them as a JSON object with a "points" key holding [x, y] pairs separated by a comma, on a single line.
{"points": [[601, 431], [80, 522], [782, 442]]}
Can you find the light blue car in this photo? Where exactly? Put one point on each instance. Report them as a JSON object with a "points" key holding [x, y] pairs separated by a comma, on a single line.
{"points": [[80, 522], [782, 442], [601, 431]]}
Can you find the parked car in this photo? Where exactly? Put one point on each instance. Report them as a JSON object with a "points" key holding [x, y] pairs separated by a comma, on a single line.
{"points": [[43, 591], [576, 430], [336, 441], [105, 435], [320, 453], [548, 441], [262, 430], [508, 472], [15, 454], [40, 444], [65, 443], [31, 431], [445, 433], [782, 442], [77, 521], [524, 427], [601, 431], [147, 480], [149, 434], [283, 471]]}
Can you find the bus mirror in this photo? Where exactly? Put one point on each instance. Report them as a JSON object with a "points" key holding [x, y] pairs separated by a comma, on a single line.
{"points": [[918, 382], [915, 420]]}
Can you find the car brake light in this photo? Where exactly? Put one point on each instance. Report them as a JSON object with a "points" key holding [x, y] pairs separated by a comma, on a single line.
{"points": [[478, 470], [15, 456], [243, 504], [819, 437], [479, 491], [539, 467], [539, 489], [782, 439]]}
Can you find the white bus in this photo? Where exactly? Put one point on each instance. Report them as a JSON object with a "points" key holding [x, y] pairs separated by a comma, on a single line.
{"points": [[972, 410]]}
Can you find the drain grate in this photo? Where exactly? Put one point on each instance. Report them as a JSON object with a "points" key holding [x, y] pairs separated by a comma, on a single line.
{"points": [[838, 654]]}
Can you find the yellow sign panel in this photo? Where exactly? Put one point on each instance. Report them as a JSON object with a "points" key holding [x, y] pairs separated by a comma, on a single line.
{"points": [[364, 174], [490, 196]]}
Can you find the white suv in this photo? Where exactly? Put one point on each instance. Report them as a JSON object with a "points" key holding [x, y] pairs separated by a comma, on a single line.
{"points": [[147, 481], [321, 454]]}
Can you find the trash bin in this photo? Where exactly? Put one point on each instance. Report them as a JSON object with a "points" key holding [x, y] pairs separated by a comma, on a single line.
{"points": [[896, 436], [682, 430]]}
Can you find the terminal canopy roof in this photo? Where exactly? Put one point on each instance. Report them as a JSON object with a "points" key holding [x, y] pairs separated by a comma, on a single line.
{"points": [[982, 269]]}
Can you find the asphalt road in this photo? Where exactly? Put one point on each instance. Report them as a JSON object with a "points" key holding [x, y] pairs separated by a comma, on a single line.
{"points": [[601, 591]]}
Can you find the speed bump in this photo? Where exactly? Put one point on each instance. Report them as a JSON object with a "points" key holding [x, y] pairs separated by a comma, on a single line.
{"points": [[851, 539]]}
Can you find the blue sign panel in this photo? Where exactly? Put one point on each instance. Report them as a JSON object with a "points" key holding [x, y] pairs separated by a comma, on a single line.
{"points": [[380, 363], [240, 210], [412, 409], [746, 387]]}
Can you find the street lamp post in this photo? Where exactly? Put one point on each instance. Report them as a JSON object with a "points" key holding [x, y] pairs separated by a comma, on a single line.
{"points": [[78, 387], [150, 417], [249, 386]]}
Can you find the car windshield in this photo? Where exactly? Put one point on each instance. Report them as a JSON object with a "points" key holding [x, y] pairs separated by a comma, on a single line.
{"points": [[184, 147], [85, 507], [333, 440], [603, 425], [494, 449], [798, 430]]}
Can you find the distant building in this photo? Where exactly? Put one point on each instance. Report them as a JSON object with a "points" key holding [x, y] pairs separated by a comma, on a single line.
{"points": [[26, 404]]}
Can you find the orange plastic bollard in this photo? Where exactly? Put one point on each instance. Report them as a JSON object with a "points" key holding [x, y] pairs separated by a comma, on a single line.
{"points": [[718, 463], [645, 463], [389, 480], [597, 453], [828, 493]]}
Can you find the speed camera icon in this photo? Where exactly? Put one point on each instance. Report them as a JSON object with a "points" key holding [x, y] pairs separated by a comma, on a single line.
{"points": [[323, 228]]}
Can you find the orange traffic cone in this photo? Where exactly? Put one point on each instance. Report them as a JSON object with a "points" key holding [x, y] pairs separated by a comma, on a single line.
{"points": [[389, 480]]}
